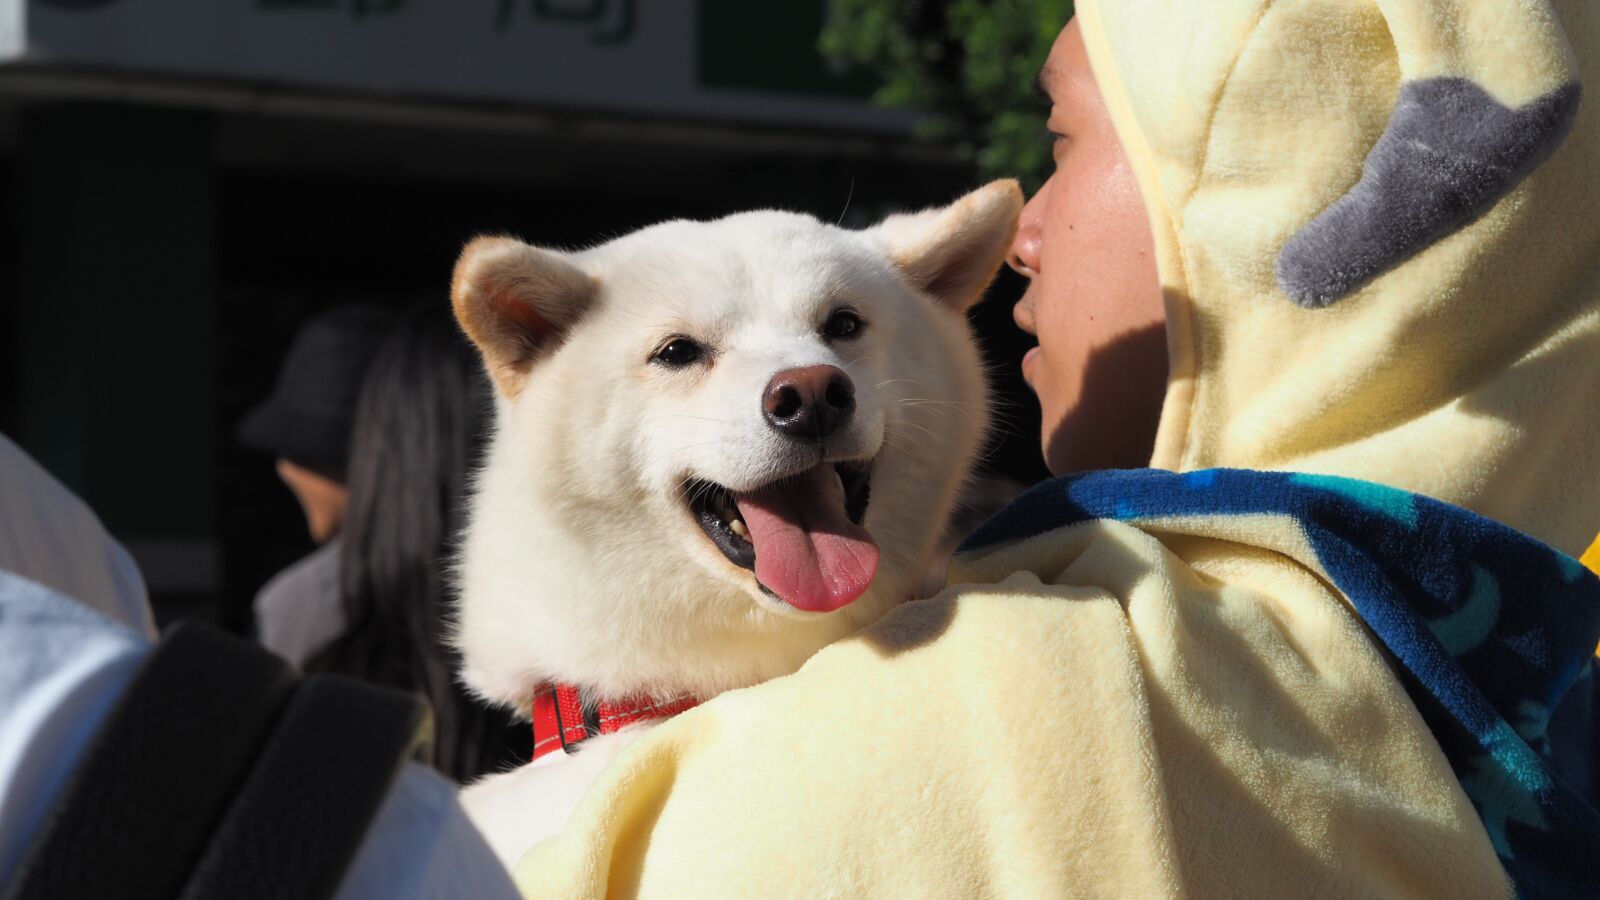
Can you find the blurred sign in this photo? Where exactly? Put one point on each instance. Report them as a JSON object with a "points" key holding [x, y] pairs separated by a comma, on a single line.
{"points": [[636, 56]]}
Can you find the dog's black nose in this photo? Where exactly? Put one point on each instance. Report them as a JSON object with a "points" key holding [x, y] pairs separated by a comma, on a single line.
{"points": [[810, 403]]}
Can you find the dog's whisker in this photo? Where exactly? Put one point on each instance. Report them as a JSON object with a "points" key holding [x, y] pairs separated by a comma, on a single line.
{"points": [[700, 492], [896, 446], [691, 416], [687, 447], [940, 406], [935, 400], [849, 195]]}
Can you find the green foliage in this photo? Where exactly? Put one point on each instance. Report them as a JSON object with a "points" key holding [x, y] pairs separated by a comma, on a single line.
{"points": [[970, 64]]}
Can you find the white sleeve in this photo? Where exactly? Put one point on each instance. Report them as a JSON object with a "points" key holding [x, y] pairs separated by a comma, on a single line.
{"points": [[422, 847], [50, 536], [63, 667]]}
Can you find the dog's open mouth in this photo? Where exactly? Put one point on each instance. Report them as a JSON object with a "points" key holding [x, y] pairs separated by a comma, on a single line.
{"points": [[801, 535]]}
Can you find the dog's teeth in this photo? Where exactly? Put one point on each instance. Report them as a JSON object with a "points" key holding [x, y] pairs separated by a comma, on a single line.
{"points": [[737, 527]]}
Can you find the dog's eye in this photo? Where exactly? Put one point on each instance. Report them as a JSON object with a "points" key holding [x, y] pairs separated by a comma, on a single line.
{"points": [[678, 352], [843, 323]]}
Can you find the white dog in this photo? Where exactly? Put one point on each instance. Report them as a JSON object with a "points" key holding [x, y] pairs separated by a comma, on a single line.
{"points": [[720, 446]]}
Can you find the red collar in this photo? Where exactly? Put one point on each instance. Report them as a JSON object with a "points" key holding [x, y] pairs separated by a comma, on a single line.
{"points": [[562, 718]]}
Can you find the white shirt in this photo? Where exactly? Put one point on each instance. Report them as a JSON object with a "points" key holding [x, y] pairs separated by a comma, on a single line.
{"points": [[49, 536], [299, 611]]}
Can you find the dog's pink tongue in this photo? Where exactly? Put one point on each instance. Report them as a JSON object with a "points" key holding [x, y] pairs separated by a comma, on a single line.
{"points": [[807, 550]]}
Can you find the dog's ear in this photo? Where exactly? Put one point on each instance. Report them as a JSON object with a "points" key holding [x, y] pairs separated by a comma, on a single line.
{"points": [[516, 302], [952, 252]]}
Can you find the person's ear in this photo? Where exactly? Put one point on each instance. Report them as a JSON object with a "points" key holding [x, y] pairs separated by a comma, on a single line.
{"points": [[952, 252], [517, 302]]}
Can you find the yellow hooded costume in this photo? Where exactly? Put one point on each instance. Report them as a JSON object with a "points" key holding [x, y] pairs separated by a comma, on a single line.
{"points": [[1378, 231]]}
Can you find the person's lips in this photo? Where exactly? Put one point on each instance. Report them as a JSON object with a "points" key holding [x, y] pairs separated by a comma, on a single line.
{"points": [[1029, 360]]}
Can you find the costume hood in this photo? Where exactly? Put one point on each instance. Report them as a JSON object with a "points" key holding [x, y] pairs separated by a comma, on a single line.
{"points": [[1377, 232]]}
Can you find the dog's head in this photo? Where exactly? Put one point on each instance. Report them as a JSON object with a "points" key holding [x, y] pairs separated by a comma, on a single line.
{"points": [[720, 445]]}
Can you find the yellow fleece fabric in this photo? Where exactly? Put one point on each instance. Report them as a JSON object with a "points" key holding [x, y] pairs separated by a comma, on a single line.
{"points": [[1190, 707]]}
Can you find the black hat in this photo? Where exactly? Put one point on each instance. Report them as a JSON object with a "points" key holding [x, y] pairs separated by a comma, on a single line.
{"points": [[307, 418]]}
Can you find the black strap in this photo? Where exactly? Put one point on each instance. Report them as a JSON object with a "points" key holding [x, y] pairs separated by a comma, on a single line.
{"points": [[141, 804], [297, 823], [211, 732]]}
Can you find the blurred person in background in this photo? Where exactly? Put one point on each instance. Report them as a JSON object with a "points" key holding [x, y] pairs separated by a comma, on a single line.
{"points": [[305, 424], [417, 434]]}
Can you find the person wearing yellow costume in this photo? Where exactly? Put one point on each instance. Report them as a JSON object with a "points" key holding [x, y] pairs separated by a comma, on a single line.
{"points": [[1334, 640]]}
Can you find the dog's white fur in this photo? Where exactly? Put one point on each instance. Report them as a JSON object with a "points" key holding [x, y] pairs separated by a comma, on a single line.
{"points": [[581, 562]]}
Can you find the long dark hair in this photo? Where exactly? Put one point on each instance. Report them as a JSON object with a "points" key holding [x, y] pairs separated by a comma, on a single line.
{"points": [[417, 435]]}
